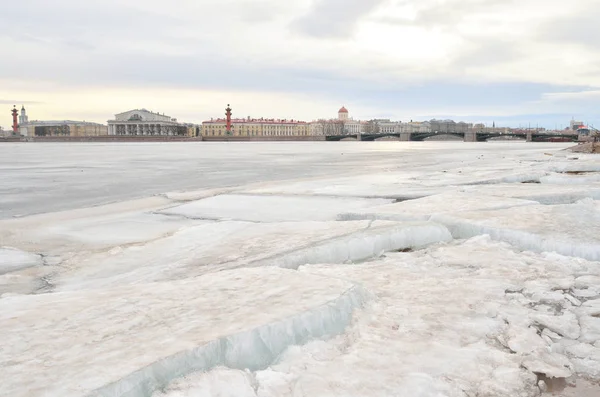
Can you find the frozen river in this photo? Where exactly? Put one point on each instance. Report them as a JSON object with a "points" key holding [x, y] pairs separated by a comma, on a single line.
{"points": [[299, 269], [48, 177]]}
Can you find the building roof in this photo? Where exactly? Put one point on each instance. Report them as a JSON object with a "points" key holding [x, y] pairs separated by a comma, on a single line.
{"points": [[60, 122], [256, 121], [142, 110], [343, 110]]}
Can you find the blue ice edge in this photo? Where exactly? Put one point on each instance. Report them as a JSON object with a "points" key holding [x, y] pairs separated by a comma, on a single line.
{"points": [[255, 349]]}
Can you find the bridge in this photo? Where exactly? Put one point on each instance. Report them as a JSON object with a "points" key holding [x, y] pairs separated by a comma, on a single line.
{"points": [[470, 136]]}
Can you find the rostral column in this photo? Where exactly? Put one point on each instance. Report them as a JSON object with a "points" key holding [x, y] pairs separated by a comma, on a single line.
{"points": [[228, 114], [15, 126]]}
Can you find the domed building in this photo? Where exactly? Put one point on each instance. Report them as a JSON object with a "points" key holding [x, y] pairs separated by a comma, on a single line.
{"points": [[343, 113]]}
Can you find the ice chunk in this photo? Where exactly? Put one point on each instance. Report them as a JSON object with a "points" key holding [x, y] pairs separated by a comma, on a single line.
{"points": [[369, 243], [524, 340], [131, 341], [551, 335], [220, 382], [587, 281], [590, 329], [561, 179], [423, 208], [571, 230], [565, 325], [197, 250], [590, 308], [12, 259], [547, 194], [96, 233], [271, 208], [550, 364]]}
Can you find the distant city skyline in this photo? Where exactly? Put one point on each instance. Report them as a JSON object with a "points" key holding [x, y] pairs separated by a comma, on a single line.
{"points": [[482, 61]]}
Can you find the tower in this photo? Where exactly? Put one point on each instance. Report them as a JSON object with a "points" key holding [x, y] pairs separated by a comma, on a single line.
{"points": [[15, 114], [343, 114], [228, 126], [23, 119]]}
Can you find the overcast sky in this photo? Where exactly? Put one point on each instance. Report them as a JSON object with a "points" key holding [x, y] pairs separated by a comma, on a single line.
{"points": [[509, 61]]}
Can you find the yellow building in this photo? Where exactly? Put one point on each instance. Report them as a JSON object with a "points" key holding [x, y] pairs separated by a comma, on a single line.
{"points": [[62, 128], [256, 127]]}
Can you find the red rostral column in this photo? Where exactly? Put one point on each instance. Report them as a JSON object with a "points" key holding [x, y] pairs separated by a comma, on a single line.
{"points": [[15, 113], [228, 114]]}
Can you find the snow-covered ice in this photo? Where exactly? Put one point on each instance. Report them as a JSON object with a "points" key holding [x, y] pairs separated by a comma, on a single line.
{"points": [[126, 341], [13, 259], [424, 208], [270, 208], [570, 229], [299, 269]]}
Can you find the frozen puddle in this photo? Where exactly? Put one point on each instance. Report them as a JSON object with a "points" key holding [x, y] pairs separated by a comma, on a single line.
{"points": [[133, 340], [270, 208], [571, 230]]}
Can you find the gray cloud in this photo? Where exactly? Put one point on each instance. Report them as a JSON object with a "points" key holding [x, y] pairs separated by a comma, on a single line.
{"points": [[334, 18], [486, 52], [447, 15], [577, 29]]}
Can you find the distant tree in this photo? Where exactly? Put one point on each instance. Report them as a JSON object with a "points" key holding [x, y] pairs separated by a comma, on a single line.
{"points": [[372, 127], [323, 126], [332, 126], [338, 127]]}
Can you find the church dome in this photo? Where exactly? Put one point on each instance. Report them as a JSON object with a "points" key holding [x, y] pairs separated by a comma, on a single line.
{"points": [[343, 110]]}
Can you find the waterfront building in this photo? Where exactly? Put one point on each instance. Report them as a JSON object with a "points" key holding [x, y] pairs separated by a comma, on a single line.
{"points": [[575, 125], [448, 126], [342, 125], [414, 127], [386, 126], [255, 127], [145, 122], [62, 128]]}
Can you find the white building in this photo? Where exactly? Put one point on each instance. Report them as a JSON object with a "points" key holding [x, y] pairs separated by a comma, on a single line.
{"points": [[386, 126], [23, 119], [342, 125], [414, 126], [144, 122]]}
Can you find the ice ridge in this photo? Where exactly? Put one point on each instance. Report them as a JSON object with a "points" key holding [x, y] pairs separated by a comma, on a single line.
{"points": [[253, 350]]}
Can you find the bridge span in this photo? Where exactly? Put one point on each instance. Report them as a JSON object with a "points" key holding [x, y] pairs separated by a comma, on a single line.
{"points": [[465, 136]]}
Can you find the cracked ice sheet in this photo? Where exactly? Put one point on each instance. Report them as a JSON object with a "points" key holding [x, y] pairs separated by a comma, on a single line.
{"points": [[69, 344], [406, 184], [196, 250], [423, 208], [570, 229], [442, 323], [271, 208], [90, 228], [437, 326], [542, 193]]}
